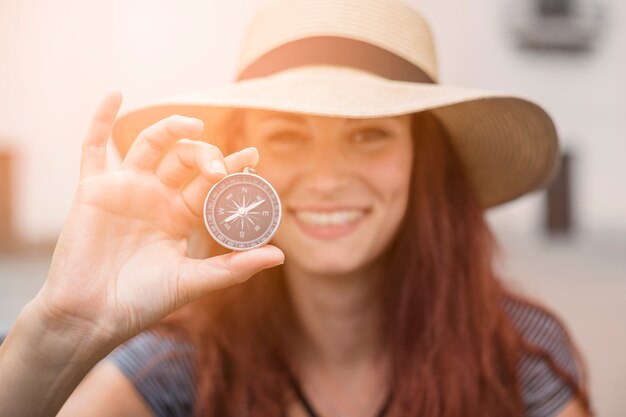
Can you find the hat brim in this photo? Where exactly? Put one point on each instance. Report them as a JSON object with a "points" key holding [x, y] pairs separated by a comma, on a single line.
{"points": [[508, 144]]}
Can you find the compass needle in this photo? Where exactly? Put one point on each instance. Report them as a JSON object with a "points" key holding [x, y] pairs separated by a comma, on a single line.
{"points": [[231, 217], [255, 205]]}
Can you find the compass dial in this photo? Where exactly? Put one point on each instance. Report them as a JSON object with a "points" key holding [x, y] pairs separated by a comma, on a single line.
{"points": [[242, 211]]}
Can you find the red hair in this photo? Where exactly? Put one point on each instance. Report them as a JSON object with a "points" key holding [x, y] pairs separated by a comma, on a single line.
{"points": [[455, 351]]}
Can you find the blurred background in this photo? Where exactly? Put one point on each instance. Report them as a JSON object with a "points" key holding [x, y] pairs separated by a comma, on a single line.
{"points": [[565, 245]]}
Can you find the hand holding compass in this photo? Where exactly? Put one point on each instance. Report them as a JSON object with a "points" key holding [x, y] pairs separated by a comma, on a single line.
{"points": [[124, 249]]}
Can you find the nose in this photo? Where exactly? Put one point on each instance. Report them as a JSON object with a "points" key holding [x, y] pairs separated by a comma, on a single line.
{"points": [[326, 169]]}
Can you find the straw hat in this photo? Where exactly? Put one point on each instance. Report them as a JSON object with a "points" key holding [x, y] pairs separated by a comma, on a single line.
{"points": [[369, 58]]}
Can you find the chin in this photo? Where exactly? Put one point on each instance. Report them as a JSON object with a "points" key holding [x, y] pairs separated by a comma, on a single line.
{"points": [[332, 257], [335, 263]]}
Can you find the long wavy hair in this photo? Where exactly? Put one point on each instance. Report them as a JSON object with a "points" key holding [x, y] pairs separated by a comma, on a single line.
{"points": [[455, 351]]}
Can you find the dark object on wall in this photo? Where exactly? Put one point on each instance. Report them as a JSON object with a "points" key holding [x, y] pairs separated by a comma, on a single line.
{"points": [[555, 7], [6, 201], [571, 25], [558, 220]]}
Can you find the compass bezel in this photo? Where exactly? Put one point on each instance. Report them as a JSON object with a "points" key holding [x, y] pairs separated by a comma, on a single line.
{"points": [[213, 196]]}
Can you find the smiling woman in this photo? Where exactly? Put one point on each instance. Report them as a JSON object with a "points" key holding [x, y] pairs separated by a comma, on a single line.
{"points": [[377, 295], [387, 291]]}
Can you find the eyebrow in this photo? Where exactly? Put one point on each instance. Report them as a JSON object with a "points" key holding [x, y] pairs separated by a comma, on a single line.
{"points": [[276, 115], [295, 117]]}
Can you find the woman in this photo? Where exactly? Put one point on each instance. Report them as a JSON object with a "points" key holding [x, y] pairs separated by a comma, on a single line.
{"points": [[387, 302]]}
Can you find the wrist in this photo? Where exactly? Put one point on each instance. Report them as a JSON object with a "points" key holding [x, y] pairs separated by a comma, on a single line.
{"points": [[42, 360], [63, 337]]}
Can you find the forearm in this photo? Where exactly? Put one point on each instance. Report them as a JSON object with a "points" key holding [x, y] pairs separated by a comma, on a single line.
{"points": [[41, 363]]}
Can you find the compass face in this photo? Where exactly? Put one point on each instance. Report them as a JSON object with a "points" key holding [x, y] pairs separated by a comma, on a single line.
{"points": [[242, 211]]}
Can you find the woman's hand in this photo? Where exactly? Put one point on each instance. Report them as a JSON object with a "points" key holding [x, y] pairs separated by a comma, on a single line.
{"points": [[121, 262]]}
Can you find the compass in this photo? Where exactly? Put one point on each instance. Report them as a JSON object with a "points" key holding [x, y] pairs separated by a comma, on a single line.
{"points": [[242, 211]]}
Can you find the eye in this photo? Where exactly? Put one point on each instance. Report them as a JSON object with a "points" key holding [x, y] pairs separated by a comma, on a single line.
{"points": [[370, 136], [285, 141]]}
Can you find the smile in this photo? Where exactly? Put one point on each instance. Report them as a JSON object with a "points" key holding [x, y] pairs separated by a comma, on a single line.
{"points": [[329, 218], [329, 224]]}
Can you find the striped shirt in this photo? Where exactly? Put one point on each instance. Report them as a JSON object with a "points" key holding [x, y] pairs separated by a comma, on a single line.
{"points": [[162, 368]]}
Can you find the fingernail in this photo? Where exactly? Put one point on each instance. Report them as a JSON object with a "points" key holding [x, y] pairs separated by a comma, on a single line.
{"points": [[196, 122], [277, 263], [218, 166], [256, 153], [282, 260]]}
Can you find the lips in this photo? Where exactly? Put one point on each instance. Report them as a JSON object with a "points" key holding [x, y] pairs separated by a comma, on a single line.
{"points": [[329, 223], [328, 218]]}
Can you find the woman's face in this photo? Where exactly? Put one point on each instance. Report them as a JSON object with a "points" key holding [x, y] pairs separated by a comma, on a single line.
{"points": [[343, 184]]}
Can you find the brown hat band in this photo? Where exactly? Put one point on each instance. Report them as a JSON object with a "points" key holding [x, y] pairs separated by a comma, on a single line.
{"points": [[334, 50]]}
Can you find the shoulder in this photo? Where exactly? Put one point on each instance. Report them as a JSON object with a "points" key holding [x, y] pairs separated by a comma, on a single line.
{"points": [[536, 324], [105, 391], [161, 368], [548, 365], [151, 348]]}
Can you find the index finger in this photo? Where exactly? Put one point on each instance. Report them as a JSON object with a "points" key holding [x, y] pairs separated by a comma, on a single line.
{"points": [[146, 151], [93, 160]]}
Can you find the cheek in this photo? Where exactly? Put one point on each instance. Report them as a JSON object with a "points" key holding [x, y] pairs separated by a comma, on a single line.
{"points": [[392, 179], [391, 175]]}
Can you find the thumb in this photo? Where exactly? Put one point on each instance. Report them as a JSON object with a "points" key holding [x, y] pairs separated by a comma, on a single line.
{"points": [[200, 276]]}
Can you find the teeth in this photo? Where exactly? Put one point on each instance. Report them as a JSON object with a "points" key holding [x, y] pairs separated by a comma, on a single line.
{"points": [[326, 218]]}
